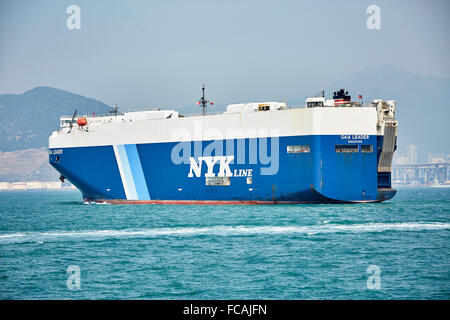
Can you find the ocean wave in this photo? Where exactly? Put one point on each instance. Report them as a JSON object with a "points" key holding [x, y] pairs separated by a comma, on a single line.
{"points": [[52, 236]]}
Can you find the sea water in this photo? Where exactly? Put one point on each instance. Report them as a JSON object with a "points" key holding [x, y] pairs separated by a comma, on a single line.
{"points": [[54, 246]]}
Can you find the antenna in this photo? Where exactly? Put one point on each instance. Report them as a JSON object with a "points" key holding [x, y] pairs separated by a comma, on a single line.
{"points": [[73, 118], [320, 94], [203, 103], [114, 110]]}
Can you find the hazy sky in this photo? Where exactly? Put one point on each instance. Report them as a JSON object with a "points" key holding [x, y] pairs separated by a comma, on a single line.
{"points": [[159, 53]]}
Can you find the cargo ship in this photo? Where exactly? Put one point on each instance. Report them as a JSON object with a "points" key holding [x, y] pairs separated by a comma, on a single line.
{"points": [[329, 151]]}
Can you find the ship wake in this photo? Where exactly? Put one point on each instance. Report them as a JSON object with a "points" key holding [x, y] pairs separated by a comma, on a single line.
{"points": [[100, 235]]}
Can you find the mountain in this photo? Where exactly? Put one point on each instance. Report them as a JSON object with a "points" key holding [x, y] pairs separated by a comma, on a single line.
{"points": [[27, 119], [26, 165], [423, 104]]}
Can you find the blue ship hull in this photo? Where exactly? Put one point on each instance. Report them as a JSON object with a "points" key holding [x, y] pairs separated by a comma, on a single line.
{"points": [[319, 176]]}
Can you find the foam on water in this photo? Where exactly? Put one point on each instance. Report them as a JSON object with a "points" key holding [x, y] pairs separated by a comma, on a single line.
{"points": [[94, 202], [40, 237]]}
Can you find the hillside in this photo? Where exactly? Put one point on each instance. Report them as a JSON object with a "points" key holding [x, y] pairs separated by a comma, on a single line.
{"points": [[27, 119], [26, 165]]}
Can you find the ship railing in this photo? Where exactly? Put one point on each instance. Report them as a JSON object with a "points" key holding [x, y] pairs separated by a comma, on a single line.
{"points": [[93, 115], [112, 114], [351, 104], [200, 114], [197, 114]]}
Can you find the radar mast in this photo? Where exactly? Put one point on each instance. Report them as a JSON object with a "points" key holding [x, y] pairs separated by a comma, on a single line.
{"points": [[203, 103]]}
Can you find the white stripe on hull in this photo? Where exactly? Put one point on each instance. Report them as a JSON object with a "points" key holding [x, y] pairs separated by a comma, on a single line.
{"points": [[125, 172]]}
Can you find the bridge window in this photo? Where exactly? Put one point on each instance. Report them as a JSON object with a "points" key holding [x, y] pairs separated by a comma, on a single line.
{"points": [[263, 107], [366, 148], [312, 104], [298, 149], [342, 148]]}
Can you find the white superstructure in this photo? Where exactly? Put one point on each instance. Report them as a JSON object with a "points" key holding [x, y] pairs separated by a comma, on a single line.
{"points": [[137, 127]]}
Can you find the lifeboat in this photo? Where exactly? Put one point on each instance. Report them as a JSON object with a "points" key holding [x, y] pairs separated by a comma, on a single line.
{"points": [[82, 122]]}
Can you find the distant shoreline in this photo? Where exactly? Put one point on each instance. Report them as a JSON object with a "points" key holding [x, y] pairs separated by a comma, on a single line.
{"points": [[422, 186], [35, 185]]}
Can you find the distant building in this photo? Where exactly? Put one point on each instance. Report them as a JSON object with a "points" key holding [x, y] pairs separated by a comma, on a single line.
{"points": [[412, 153], [4, 185], [36, 185], [19, 186], [401, 160], [436, 158]]}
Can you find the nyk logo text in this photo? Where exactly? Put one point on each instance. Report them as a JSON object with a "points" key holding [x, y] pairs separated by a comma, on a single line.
{"points": [[224, 167]]}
